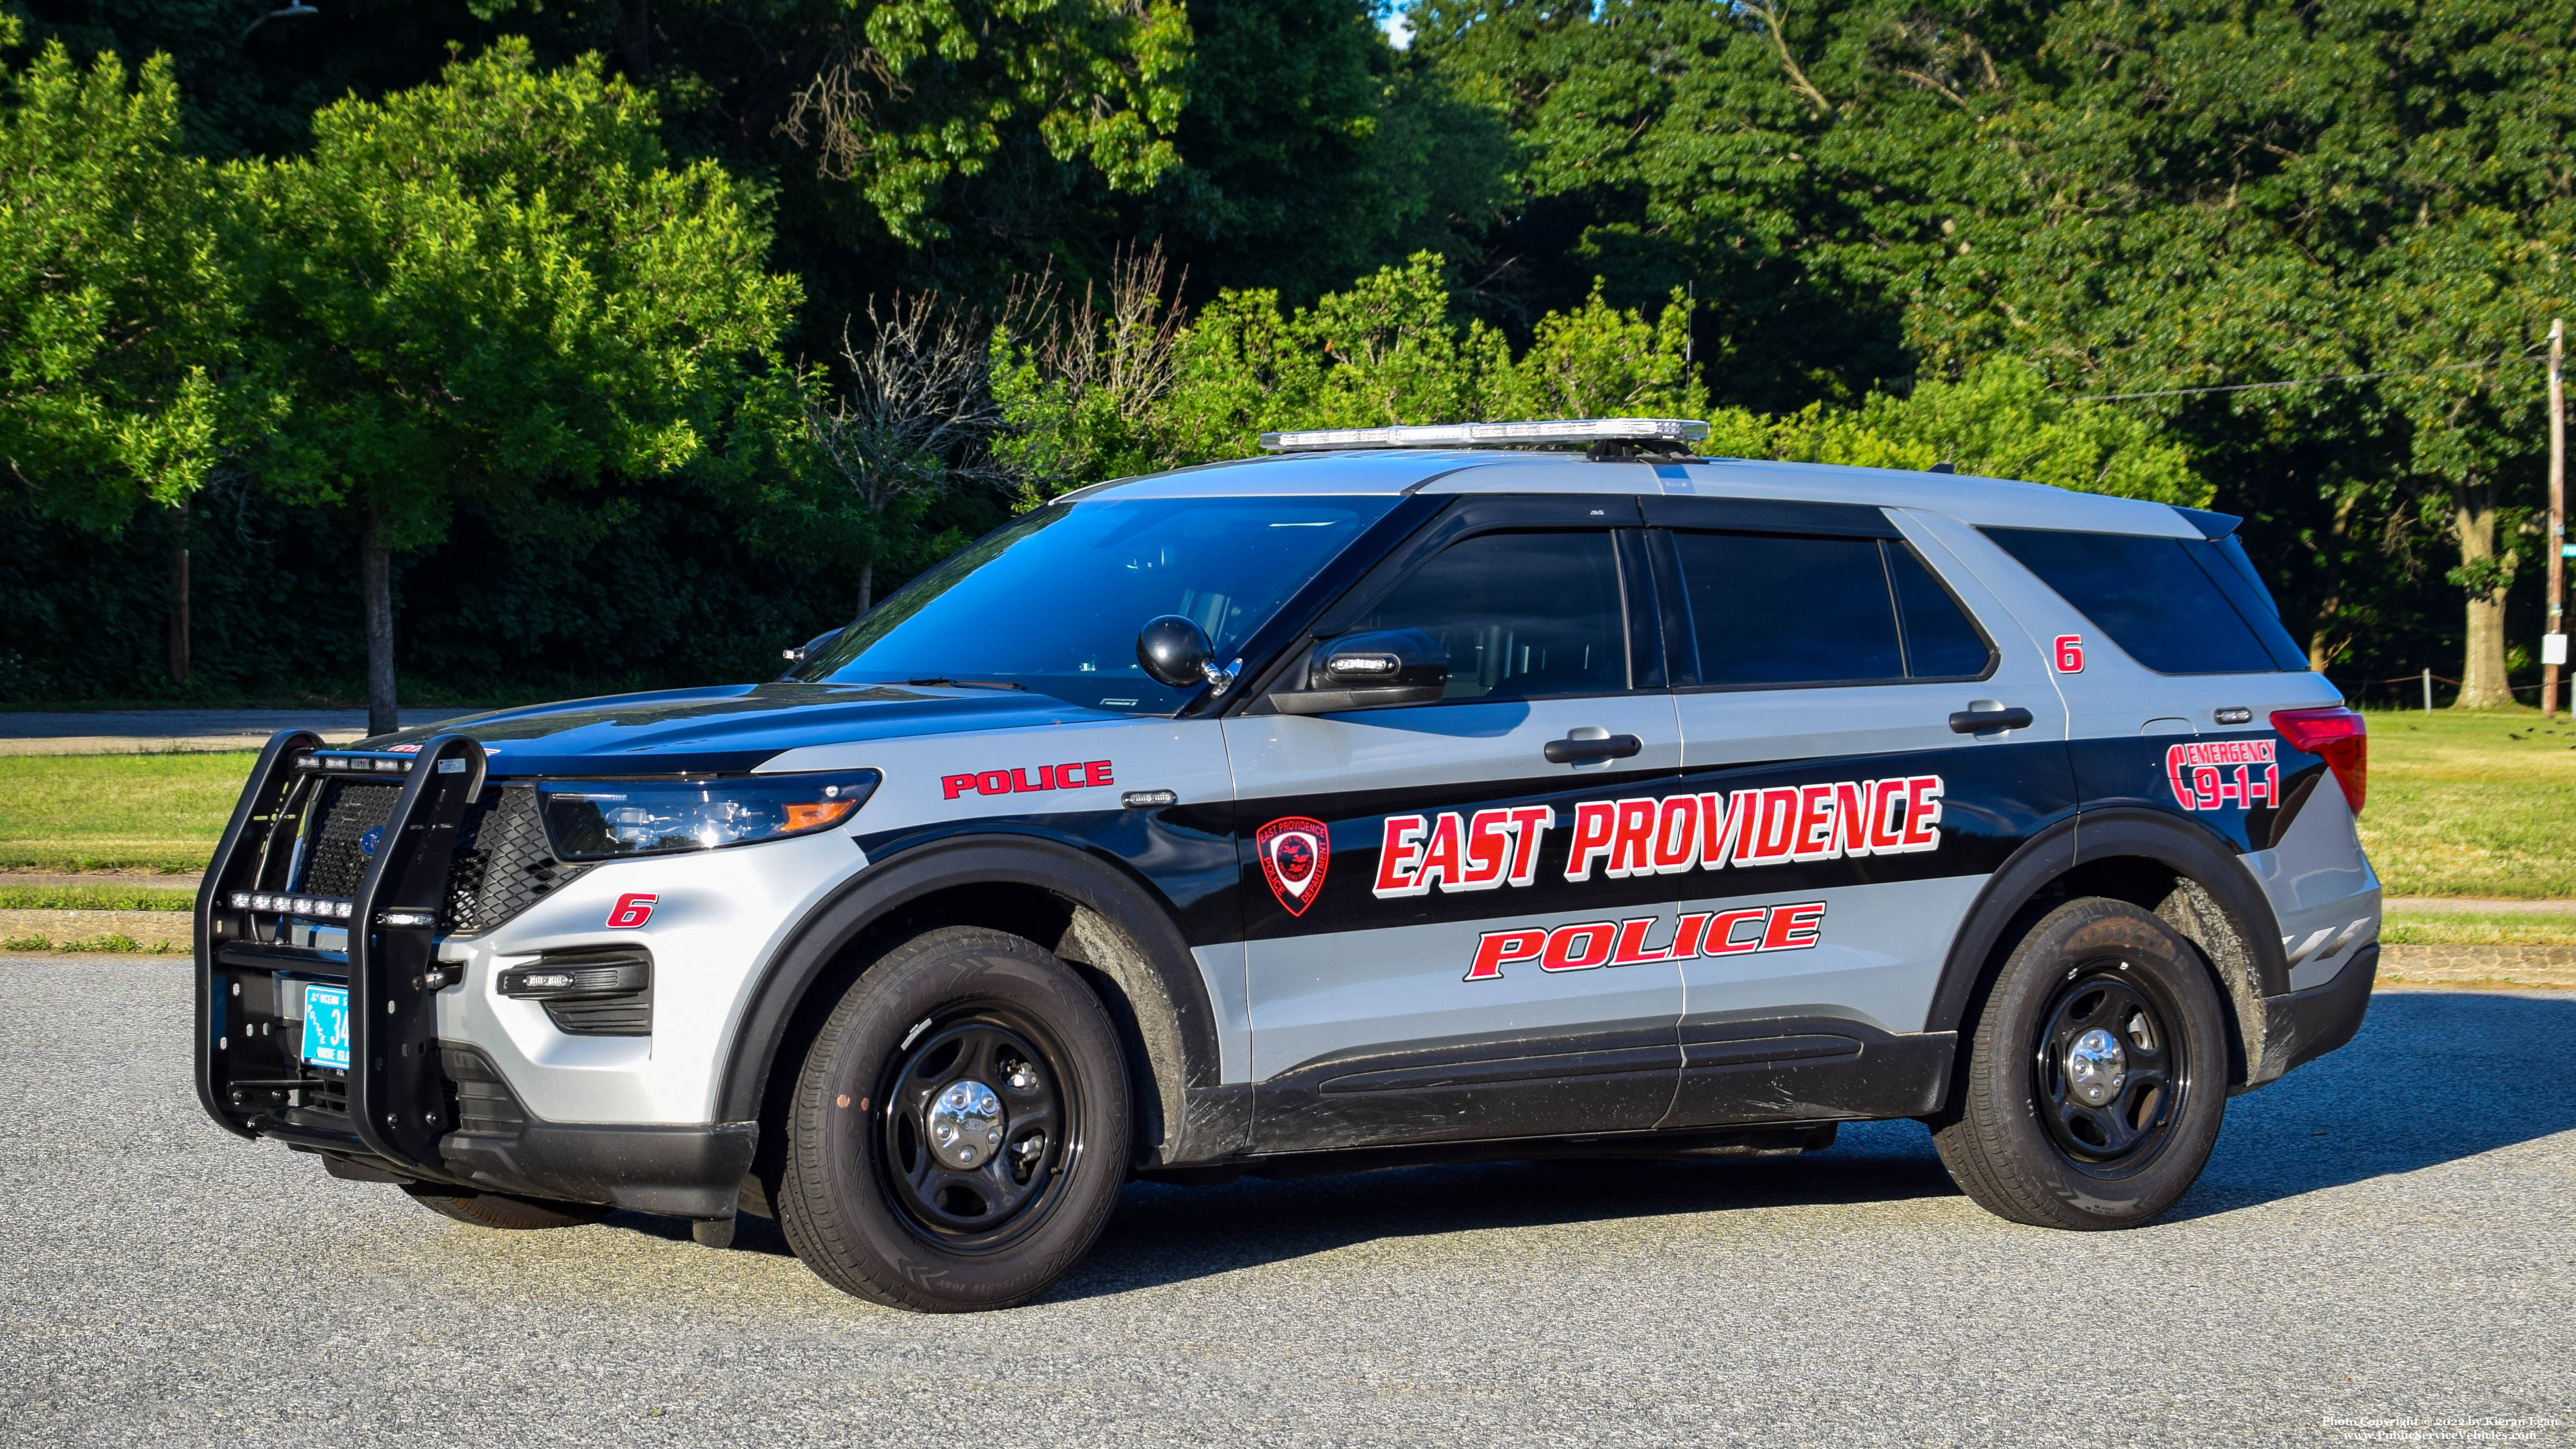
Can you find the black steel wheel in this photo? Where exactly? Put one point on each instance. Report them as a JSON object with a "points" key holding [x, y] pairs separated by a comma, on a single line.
{"points": [[2095, 1077], [975, 1123], [2110, 1079], [958, 1132]]}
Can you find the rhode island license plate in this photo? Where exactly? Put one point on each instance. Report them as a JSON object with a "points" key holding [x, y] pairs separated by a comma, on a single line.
{"points": [[326, 1026]]}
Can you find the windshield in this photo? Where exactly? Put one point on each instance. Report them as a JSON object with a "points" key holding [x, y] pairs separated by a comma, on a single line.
{"points": [[1051, 602]]}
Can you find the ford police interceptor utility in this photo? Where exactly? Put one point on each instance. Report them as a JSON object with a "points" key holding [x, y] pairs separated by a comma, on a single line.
{"points": [[1400, 798]]}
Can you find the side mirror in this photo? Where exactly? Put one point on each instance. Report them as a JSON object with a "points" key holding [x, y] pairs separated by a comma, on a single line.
{"points": [[1370, 671], [1176, 651]]}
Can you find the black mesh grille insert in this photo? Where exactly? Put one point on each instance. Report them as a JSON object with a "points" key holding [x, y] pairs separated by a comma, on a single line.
{"points": [[346, 813], [503, 864]]}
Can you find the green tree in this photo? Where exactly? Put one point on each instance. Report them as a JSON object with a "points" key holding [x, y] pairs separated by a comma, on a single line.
{"points": [[2202, 194], [494, 291], [904, 96], [1137, 388], [115, 310]]}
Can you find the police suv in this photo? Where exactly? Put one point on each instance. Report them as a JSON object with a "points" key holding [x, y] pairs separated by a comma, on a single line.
{"points": [[1418, 794]]}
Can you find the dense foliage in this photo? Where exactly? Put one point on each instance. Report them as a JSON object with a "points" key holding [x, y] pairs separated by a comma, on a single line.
{"points": [[591, 314]]}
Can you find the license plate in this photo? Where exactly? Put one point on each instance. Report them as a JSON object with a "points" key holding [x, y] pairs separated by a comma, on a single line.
{"points": [[326, 1026]]}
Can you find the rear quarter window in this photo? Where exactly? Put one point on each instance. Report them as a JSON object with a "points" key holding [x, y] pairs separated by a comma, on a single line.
{"points": [[2176, 605]]}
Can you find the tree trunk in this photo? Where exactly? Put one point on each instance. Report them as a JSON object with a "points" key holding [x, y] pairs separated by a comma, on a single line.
{"points": [[2324, 635], [179, 603], [375, 580], [2482, 677], [867, 585]]}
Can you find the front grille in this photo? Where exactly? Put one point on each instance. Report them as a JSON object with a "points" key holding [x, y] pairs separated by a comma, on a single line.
{"points": [[503, 864], [337, 858]]}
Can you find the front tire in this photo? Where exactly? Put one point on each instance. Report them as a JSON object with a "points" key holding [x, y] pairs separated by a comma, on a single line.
{"points": [[2097, 1075], [959, 1132]]}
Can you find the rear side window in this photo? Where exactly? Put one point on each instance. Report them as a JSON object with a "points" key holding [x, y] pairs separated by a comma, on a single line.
{"points": [[1521, 615], [1772, 610], [2178, 606]]}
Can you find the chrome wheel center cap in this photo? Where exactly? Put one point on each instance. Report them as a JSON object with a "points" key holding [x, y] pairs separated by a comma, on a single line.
{"points": [[2097, 1067], [966, 1124]]}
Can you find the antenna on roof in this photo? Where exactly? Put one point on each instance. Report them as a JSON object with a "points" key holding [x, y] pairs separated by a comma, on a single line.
{"points": [[1670, 433]]}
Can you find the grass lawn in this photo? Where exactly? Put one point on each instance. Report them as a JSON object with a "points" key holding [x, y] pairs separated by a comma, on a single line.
{"points": [[97, 898], [2473, 928], [116, 812], [2472, 804]]}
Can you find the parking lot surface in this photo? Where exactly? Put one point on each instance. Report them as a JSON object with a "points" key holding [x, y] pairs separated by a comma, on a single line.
{"points": [[2385, 1244]]}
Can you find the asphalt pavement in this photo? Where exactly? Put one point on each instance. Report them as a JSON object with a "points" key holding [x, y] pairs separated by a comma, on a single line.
{"points": [[2383, 1246]]}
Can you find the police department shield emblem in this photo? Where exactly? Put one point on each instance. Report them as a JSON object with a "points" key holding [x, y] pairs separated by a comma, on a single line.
{"points": [[1294, 852]]}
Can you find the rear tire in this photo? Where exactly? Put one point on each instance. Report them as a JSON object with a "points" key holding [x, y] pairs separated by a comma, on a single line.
{"points": [[2097, 1074], [500, 1210], [959, 1132]]}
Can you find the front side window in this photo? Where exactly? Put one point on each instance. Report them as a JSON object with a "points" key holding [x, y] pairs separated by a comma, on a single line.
{"points": [[2166, 601], [1051, 603], [1520, 615], [1768, 610]]}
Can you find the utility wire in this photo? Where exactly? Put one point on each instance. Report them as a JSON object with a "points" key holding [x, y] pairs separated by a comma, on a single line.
{"points": [[2308, 381]]}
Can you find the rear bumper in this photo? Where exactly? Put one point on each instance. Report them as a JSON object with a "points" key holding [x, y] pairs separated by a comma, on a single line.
{"points": [[2300, 1026]]}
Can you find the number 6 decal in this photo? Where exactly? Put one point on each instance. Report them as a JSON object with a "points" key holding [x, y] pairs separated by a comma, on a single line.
{"points": [[630, 911], [2070, 654]]}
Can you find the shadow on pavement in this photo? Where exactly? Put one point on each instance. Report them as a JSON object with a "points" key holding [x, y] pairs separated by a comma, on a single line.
{"points": [[2432, 1078]]}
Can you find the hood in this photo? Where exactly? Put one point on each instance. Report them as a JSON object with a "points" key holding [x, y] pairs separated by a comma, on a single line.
{"points": [[729, 730]]}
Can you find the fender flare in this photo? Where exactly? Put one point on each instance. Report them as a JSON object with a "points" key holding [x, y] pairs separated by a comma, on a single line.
{"points": [[2190, 852], [1168, 1000]]}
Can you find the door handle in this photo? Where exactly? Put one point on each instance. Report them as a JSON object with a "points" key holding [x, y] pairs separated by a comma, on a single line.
{"points": [[1986, 715], [1578, 750]]}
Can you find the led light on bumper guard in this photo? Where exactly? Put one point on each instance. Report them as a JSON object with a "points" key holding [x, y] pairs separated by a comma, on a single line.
{"points": [[319, 908], [613, 819]]}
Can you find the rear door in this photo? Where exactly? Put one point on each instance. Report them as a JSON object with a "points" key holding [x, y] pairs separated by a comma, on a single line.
{"points": [[1419, 967], [1867, 734]]}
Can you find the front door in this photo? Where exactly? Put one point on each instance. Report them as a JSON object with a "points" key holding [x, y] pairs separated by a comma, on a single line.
{"points": [[1421, 968]]}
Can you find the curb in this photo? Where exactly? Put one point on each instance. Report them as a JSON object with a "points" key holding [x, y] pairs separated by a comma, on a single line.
{"points": [[2478, 965]]}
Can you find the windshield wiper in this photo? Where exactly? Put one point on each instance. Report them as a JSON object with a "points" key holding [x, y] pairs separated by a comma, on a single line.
{"points": [[971, 684]]}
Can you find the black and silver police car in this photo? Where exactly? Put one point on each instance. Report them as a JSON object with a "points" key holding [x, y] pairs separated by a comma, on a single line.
{"points": [[1399, 798]]}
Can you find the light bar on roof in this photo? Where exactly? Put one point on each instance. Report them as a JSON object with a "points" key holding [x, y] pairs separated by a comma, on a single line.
{"points": [[1470, 435]]}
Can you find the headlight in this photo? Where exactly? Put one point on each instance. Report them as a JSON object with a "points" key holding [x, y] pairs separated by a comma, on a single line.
{"points": [[607, 819]]}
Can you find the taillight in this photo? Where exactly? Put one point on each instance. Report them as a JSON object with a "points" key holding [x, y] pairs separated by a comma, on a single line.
{"points": [[2338, 735]]}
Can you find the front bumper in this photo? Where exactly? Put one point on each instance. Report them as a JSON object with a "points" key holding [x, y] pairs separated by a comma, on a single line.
{"points": [[445, 1080], [685, 1172], [2301, 1026]]}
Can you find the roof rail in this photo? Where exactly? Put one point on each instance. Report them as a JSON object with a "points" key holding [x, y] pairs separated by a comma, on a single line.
{"points": [[1455, 435]]}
